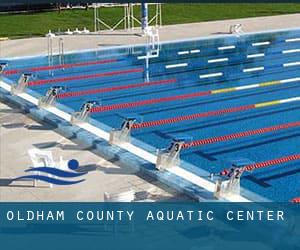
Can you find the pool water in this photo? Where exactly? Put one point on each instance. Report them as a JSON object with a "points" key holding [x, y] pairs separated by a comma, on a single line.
{"points": [[193, 77]]}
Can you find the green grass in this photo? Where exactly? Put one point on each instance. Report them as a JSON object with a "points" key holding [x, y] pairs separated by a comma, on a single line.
{"points": [[25, 25]]}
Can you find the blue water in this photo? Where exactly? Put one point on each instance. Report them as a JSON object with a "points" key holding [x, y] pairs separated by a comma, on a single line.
{"points": [[280, 183]]}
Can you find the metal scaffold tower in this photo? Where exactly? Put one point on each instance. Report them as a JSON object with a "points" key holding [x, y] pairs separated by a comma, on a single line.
{"points": [[129, 20]]}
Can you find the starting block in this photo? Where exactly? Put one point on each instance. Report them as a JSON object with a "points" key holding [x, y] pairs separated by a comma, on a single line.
{"points": [[231, 185], [122, 135], [50, 97], [170, 157], [22, 84], [3, 65], [84, 113]]}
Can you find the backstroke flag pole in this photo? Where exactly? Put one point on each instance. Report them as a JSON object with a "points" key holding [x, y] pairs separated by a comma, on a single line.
{"points": [[144, 10]]}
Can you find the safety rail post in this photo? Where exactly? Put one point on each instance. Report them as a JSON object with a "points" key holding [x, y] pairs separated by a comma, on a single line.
{"points": [[61, 51], [153, 47], [50, 37]]}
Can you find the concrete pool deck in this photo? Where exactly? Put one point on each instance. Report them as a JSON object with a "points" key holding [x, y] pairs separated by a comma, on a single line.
{"points": [[38, 45], [108, 177], [19, 133]]}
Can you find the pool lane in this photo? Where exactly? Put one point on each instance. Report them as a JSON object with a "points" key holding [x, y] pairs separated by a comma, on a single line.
{"points": [[242, 62], [185, 86]]}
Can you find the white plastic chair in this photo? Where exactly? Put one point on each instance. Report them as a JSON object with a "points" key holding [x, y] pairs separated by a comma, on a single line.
{"points": [[40, 158]]}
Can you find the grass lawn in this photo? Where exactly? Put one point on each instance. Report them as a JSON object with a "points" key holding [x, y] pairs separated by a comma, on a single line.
{"points": [[25, 25]]}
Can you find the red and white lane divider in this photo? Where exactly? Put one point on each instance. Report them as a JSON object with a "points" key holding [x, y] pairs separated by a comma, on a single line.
{"points": [[212, 113], [81, 77], [265, 164], [116, 88], [240, 135], [54, 67], [296, 200], [189, 96]]}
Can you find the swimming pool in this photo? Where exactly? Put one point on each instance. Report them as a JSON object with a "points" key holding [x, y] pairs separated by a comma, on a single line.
{"points": [[233, 98]]}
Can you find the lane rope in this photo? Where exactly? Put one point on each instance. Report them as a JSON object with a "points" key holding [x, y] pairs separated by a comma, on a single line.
{"points": [[296, 200], [268, 163], [240, 135], [80, 77], [65, 66], [160, 122], [111, 89], [188, 96]]}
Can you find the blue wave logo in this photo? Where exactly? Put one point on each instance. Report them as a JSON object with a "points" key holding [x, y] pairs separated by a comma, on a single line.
{"points": [[62, 174]]}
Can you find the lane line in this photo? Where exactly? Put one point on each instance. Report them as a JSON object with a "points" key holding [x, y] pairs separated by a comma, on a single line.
{"points": [[226, 47], [253, 69], [116, 88], [65, 66], [211, 75], [176, 119], [238, 135], [217, 60], [81, 77], [186, 96], [178, 65], [261, 43], [291, 64], [256, 55]]}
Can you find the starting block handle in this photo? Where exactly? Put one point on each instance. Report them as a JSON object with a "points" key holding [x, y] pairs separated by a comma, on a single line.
{"points": [[122, 135], [22, 83], [3, 65], [50, 97], [169, 157], [84, 113]]}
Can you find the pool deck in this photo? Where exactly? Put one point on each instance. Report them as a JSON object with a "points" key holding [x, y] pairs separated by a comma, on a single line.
{"points": [[106, 176], [18, 133], [38, 45]]}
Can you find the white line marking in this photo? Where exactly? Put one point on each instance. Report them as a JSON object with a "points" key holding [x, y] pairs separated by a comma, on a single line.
{"points": [[183, 52], [253, 69], [290, 99], [59, 113], [292, 40], [5, 86], [211, 75], [261, 43], [291, 64], [218, 60], [195, 51], [290, 51], [171, 66], [290, 80], [145, 57], [256, 55], [226, 47], [247, 87]]}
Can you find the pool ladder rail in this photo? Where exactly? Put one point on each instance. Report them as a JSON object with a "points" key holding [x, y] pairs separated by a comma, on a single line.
{"points": [[61, 53]]}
